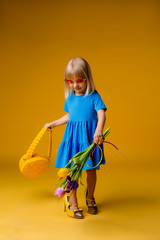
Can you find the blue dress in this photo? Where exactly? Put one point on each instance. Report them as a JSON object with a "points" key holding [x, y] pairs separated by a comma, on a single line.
{"points": [[80, 129]]}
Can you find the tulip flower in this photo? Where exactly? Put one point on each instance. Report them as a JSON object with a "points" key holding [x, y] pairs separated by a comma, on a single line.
{"points": [[63, 172], [59, 192], [74, 172]]}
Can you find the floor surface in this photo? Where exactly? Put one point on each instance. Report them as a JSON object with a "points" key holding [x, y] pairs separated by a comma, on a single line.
{"points": [[128, 201]]}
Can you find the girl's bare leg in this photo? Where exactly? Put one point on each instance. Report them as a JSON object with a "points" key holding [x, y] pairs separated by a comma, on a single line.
{"points": [[73, 200], [91, 182]]}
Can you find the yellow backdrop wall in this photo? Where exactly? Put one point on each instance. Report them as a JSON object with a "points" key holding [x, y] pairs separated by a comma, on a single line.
{"points": [[119, 39]]}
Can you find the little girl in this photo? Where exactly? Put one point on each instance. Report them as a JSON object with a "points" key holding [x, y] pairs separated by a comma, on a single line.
{"points": [[85, 120]]}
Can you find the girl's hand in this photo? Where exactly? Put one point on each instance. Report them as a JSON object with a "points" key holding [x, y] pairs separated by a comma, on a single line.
{"points": [[58, 122], [49, 125], [97, 136]]}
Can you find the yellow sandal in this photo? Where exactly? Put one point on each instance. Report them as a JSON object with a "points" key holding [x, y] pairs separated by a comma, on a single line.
{"points": [[77, 213]]}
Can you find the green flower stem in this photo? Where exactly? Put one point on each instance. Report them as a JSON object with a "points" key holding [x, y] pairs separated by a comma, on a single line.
{"points": [[106, 132], [79, 161]]}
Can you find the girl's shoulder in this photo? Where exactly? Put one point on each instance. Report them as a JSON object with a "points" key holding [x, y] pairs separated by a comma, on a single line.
{"points": [[98, 102], [95, 94]]}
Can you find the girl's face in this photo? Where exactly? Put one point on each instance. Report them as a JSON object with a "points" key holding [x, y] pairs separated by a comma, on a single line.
{"points": [[78, 85]]}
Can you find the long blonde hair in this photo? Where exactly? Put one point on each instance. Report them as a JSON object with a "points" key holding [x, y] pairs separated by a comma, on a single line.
{"points": [[80, 68]]}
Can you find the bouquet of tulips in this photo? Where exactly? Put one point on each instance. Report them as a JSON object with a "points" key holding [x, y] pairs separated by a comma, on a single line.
{"points": [[71, 175]]}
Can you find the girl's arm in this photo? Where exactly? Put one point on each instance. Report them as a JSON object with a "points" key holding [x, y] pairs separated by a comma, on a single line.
{"points": [[100, 125], [58, 122]]}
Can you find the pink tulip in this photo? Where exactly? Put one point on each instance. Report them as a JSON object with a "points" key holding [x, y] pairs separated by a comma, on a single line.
{"points": [[59, 192]]}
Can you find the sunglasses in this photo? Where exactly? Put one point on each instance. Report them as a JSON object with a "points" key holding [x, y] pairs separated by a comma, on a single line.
{"points": [[78, 81]]}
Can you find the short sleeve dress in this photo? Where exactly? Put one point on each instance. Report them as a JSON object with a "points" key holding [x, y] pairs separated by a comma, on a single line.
{"points": [[80, 129]]}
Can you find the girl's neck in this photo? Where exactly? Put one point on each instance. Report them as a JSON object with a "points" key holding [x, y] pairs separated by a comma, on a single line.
{"points": [[78, 94]]}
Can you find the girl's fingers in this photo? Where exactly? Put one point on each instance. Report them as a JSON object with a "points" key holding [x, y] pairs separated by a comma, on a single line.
{"points": [[47, 126], [97, 138]]}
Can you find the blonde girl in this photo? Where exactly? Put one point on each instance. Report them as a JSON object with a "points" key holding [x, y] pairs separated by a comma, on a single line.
{"points": [[85, 119]]}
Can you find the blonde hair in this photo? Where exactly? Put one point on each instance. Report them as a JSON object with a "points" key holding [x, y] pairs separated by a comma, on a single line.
{"points": [[80, 68]]}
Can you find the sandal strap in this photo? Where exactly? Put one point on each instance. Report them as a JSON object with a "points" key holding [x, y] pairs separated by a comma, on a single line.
{"points": [[73, 205], [70, 204], [92, 202], [90, 205], [78, 210]]}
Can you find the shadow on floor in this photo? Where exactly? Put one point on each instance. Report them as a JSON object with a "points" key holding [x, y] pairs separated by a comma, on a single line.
{"points": [[129, 201]]}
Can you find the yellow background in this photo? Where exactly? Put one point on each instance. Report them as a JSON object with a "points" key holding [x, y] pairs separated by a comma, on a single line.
{"points": [[120, 40]]}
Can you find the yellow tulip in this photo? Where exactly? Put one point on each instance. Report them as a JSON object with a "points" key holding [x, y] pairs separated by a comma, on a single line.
{"points": [[63, 172]]}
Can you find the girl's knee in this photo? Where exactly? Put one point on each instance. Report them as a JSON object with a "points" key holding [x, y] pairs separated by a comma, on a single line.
{"points": [[91, 172]]}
